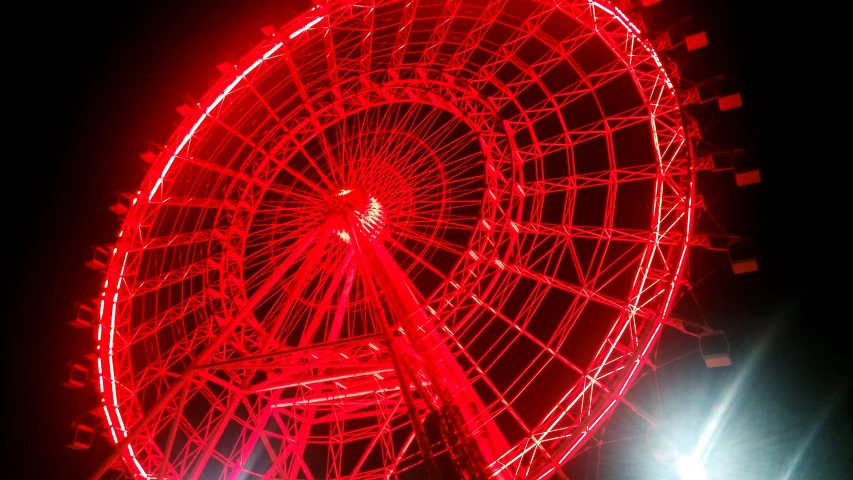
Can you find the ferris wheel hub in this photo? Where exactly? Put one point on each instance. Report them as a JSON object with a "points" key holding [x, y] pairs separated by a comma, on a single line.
{"points": [[351, 197], [354, 201]]}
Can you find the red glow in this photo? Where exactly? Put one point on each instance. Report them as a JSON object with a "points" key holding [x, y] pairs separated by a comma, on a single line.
{"points": [[388, 170]]}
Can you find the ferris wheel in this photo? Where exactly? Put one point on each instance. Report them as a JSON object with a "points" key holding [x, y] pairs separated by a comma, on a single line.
{"points": [[400, 238]]}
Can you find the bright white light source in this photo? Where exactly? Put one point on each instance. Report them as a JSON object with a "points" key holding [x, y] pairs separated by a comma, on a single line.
{"points": [[690, 468]]}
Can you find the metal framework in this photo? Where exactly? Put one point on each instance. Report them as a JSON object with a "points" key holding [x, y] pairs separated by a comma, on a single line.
{"points": [[400, 233]]}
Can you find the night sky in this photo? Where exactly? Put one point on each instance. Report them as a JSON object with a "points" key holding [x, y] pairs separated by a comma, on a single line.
{"points": [[91, 88]]}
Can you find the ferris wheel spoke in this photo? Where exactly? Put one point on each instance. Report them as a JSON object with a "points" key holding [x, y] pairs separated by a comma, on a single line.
{"points": [[366, 148], [266, 259], [283, 204], [314, 187], [428, 131], [334, 331], [422, 180], [216, 117], [460, 165], [522, 330], [292, 193], [326, 302], [303, 176], [464, 222], [296, 326], [263, 101], [452, 170], [297, 285], [384, 119], [406, 145], [464, 186], [417, 258], [416, 229], [414, 235], [266, 156], [451, 203], [277, 227], [435, 128], [567, 287], [334, 168], [444, 140], [207, 164]]}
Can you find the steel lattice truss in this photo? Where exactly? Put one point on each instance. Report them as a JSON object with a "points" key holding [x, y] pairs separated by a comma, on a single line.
{"points": [[472, 214]]}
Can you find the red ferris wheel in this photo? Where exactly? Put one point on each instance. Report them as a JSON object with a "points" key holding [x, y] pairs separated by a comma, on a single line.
{"points": [[397, 238]]}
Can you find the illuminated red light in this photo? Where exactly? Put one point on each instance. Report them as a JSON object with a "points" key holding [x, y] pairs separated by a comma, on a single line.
{"points": [[388, 204]]}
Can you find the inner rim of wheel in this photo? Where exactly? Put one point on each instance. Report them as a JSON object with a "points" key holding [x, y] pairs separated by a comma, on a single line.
{"points": [[499, 186]]}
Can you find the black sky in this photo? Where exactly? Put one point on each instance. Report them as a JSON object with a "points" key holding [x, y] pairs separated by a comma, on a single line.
{"points": [[91, 86]]}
